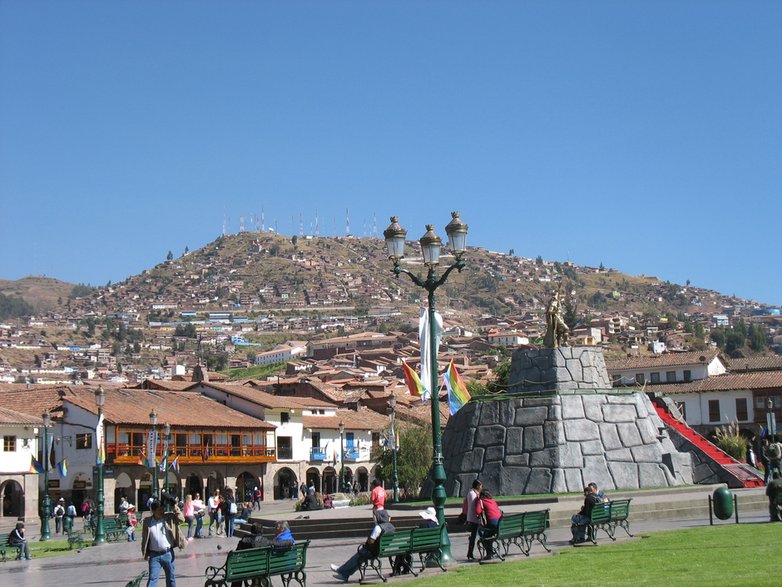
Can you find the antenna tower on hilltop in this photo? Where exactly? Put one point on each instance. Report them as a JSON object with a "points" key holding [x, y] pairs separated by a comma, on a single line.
{"points": [[263, 220], [241, 223], [317, 224], [347, 222]]}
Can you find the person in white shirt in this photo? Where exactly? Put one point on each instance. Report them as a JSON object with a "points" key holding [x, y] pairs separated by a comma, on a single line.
{"points": [[160, 535]]}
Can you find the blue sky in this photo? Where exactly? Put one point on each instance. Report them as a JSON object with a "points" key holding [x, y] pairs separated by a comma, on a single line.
{"points": [[643, 135]]}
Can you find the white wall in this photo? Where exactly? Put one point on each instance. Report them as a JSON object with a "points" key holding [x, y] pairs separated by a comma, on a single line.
{"points": [[697, 406], [18, 461]]}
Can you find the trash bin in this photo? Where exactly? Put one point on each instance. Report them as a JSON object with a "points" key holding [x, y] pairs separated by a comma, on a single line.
{"points": [[723, 503]]}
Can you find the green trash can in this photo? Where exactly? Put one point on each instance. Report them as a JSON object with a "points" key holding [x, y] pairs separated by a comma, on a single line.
{"points": [[723, 503], [67, 524]]}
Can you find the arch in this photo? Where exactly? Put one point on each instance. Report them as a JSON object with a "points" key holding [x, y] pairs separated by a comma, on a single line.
{"points": [[245, 482], [124, 485], [213, 482], [362, 479], [348, 478], [330, 480], [193, 485], [12, 496], [284, 482], [314, 475]]}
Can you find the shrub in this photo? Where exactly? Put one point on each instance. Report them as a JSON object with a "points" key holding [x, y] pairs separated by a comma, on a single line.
{"points": [[730, 440]]}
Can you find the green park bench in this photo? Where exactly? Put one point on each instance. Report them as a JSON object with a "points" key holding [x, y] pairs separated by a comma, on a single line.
{"points": [[5, 546], [113, 528], [424, 542], [75, 538], [260, 564], [390, 546], [519, 529], [607, 516]]}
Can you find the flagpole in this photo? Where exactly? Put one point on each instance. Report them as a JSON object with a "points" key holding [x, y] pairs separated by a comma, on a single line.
{"points": [[47, 504], [100, 534], [166, 432]]}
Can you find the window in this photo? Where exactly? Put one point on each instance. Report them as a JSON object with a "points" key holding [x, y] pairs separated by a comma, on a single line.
{"points": [[655, 377], [760, 402], [670, 376], [84, 441], [741, 409], [284, 447], [714, 410], [682, 409], [9, 443], [316, 439], [285, 418], [375, 440], [687, 375], [639, 378]]}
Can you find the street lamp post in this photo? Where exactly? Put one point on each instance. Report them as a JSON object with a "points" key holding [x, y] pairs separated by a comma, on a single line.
{"points": [[430, 249], [341, 456], [153, 422], [394, 448], [166, 438], [47, 504], [100, 534]]}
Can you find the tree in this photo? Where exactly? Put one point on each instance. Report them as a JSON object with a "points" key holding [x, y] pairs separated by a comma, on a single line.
{"points": [[539, 261], [170, 256], [414, 458], [187, 330]]}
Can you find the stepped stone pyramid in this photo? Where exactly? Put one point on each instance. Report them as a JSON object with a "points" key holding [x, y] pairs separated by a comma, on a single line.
{"points": [[559, 427]]}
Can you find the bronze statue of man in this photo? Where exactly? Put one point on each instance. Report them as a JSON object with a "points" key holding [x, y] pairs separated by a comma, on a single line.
{"points": [[556, 329]]}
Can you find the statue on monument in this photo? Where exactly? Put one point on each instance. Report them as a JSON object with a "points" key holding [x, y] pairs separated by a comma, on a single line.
{"points": [[556, 329]]}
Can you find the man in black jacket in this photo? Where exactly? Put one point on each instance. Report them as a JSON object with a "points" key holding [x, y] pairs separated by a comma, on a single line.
{"points": [[580, 520]]}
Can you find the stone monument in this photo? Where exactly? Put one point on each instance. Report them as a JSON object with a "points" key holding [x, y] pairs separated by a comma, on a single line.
{"points": [[559, 426]]}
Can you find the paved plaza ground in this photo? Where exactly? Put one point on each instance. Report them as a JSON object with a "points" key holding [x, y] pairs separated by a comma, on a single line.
{"points": [[116, 563]]}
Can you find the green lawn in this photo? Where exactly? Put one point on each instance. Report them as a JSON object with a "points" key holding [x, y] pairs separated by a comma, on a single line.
{"points": [[55, 547], [747, 554]]}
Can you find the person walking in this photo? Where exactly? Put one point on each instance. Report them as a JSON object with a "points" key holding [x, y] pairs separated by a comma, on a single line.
{"points": [[199, 511], [188, 510], [214, 513], [228, 509], [774, 494], [470, 516], [59, 513], [256, 498], [378, 496], [160, 535]]}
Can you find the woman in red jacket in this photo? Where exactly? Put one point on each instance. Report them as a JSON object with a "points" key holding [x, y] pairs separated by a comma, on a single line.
{"points": [[490, 514]]}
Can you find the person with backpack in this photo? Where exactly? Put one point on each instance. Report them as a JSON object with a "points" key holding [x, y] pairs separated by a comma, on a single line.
{"points": [[229, 510], [159, 536], [490, 514], [367, 550], [774, 494], [775, 455], [59, 513]]}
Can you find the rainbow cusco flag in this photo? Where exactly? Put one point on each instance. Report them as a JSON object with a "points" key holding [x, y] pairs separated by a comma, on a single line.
{"points": [[457, 390], [413, 381]]}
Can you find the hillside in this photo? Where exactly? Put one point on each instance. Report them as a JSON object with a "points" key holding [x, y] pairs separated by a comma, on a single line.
{"points": [[264, 273], [42, 293]]}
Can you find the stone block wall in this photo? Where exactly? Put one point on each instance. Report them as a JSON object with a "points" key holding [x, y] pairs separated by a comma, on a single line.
{"points": [[559, 440], [563, 370]]}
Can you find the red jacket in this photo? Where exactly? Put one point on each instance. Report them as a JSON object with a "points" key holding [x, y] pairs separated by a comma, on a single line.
{"points": [[488, 505]]}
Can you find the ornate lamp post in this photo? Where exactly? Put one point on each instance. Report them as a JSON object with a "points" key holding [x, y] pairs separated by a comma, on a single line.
{"points": [[430, 249], [394, 448], [153, 422], [166, 438], [341, 456], [100, 534], [771, 420], [46, 509]]}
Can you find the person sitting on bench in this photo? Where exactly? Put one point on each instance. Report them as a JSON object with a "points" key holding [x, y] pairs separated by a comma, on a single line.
{"points": [[367, 550], [580, 520]]}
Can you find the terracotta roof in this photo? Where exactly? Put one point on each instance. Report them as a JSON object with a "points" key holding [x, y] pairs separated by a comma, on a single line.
{"points": [[170, 385], [35, 400], [177, 408], [268, 400], [755, 364], [353, 420], [662, 361], [9, 416], [726, 382]]}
